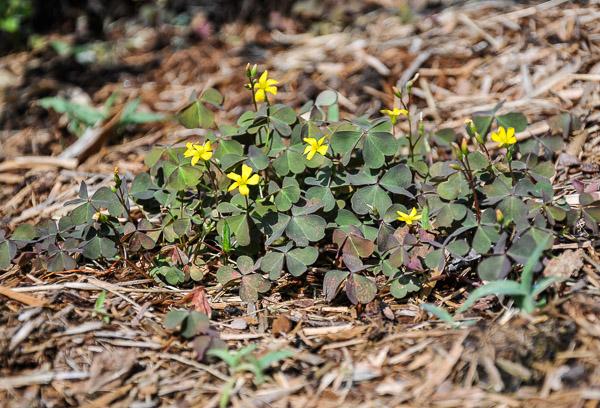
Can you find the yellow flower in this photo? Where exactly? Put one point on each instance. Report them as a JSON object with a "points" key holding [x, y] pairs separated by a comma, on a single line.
{"points": [[263, 86], [410, 217], [504, 137], [198, 151], [394, 113], [315, 146], [242, 181]]}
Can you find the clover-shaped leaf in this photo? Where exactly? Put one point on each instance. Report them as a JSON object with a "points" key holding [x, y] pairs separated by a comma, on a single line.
{"points": [[226, 274], [371, 198], [360, 289], [296, 260], [251, 285], [172, 274], [290, 160], [8, 251], [494, 268], [99, 247], [288, 194], [403, 285], [331, 283], [257, 159], [352, 241], [397, 180]]}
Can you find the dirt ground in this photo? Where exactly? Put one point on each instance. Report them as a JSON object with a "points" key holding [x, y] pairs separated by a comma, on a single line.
{"points": [[542, 59]]}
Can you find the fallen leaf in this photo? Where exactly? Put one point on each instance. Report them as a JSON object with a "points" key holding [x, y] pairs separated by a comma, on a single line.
{"points": [[281, 325], [565, 265], [200, 301]]}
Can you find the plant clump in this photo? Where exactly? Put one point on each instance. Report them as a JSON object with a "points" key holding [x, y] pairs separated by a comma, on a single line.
{"points": [[367, 207]]}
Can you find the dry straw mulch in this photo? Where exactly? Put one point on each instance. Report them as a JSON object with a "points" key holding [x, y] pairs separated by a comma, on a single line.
{"points": [[542, 59]]}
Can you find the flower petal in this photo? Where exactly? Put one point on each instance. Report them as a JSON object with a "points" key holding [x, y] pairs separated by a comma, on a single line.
{"points": [[263, 79], [195, 159], [307, 149], [323, 150], [234, 177], [253, 180], [246, 171], [206, 156], [234, 185], [259, 95], [271, 90], [310, 140], [244, 190], [311, 154]]}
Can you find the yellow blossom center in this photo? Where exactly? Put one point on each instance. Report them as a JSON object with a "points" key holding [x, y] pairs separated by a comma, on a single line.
{"points": [[410, 217], [393, 114], [263, 86], [198, 152], [315, 146], [243, 180], [504, 137]]}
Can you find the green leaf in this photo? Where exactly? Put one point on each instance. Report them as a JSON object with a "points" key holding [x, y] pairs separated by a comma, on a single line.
{"points": [[273, 357], [303, 229], [8, 251], [175, 318], [345, 217], [344, 141], [450, 213], [483, 123], [324, 195], [99, 247], [24, 232], [288, 194], [298, 259], [371, 197], [289, 161], [194, 324], [456, 186], [514, 209], [402, 286], [485, 236], [212, 96], [240, 228], [283, 113], [226, 274], [495, 267], [397, 179], [172, 274], [61, 261], [326, 98], [478, 161], [272, 263], [181, 176], [104, 197], [513, 119], [458, 248], [196, 115], [257, 159], [245, 264], [502, 287], [251, 286], [376, 146]]}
